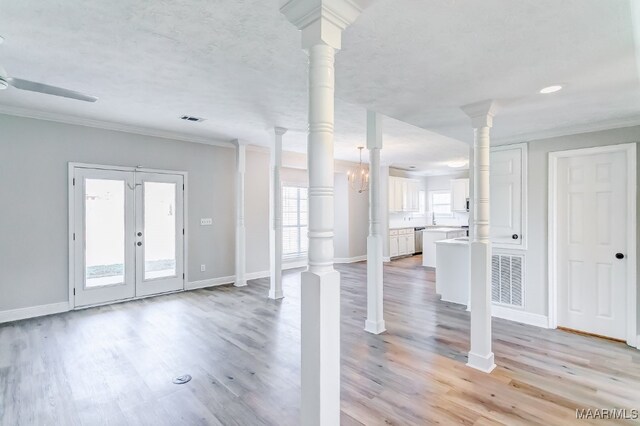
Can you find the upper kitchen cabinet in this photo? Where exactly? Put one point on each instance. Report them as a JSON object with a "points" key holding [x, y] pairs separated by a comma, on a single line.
{"points": [[459, 195], [508, 196], [404, 194]]}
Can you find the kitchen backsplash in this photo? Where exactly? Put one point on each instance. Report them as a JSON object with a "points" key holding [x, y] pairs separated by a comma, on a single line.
{"points": [[397, 220]]}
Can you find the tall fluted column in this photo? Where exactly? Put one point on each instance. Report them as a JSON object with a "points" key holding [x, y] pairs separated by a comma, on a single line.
{"points": [[321, 23], [375, 315], [480, 354], [275, 201], [241, 156]]}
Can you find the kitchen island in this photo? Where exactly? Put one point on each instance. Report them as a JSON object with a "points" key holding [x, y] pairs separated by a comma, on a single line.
{"points": [[433, 235], [452, 270]]}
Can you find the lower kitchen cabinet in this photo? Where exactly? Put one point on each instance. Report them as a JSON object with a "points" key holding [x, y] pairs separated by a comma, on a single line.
{"points": [[402, 242]]}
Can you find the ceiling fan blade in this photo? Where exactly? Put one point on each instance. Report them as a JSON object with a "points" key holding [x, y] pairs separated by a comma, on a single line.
{"points": [[32, 86]]}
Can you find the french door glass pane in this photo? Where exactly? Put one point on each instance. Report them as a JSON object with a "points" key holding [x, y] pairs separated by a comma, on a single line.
{"points": [[159, 230], [104, 232]]}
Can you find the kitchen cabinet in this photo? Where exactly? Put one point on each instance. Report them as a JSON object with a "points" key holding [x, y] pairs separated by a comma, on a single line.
{"points": [[459, 194], [404, 194], [402, 242], [394, 249]]}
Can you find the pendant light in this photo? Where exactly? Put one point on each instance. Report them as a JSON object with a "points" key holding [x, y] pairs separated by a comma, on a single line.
{"points": [[359, 176]]}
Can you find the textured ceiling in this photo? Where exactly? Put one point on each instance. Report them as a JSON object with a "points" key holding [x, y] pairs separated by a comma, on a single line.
{"points": [[238, 63]]}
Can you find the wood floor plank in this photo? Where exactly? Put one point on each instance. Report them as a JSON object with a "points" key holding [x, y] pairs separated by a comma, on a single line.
{"points": [[114, 364]]}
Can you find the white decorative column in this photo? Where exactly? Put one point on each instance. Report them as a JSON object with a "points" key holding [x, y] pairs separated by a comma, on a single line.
{"points": [[321, 22], [241, 160], [384, 210], [275, 210], [471, 214], [480, 354], [375, 315]]}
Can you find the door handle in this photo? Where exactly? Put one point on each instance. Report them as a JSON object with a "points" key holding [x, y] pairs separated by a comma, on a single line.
{"points": [[619, 256], [139, 243], [515, 236]]}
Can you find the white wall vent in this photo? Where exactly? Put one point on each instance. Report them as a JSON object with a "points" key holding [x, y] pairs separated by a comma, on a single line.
{"points": [[191, 118], [507, 279]]}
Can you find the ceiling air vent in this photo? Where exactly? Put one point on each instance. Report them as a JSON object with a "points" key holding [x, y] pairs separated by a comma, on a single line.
{"points": [[191, 118]]}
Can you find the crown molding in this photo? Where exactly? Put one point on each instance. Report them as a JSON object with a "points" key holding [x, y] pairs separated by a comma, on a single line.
{"points": [[617, 123], [108, 125]]}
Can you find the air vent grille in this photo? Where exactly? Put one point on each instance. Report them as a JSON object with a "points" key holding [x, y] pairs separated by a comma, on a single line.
{"points": [[506, 280], [191, 118]]}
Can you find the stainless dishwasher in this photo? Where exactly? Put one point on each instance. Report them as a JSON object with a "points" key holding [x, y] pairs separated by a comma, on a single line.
{"points": [[418, 237]]}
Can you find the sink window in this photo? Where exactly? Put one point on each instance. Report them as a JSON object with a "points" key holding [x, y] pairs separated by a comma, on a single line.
{"points": [[441, 203]]}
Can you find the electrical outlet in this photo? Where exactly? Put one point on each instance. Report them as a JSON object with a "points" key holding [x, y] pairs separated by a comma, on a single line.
{"points": [[203, 268], [206, 221]]}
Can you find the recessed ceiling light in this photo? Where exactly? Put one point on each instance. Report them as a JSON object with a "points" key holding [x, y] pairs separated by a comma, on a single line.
{"points": [[551, 89], [456, 164]]}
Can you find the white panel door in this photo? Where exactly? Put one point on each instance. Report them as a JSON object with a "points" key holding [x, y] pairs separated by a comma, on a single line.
{"points": [[591, 223], [506, 197], [104, 254], [159, 233]]}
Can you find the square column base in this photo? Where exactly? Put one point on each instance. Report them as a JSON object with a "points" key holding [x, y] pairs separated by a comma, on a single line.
{"points": [[482, 363], [320, 335], [375, 327], [275, 295]]}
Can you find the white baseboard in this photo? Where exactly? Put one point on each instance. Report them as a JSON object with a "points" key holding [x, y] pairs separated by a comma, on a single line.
{"points": [[350, 259], [386, 259], [518, 315], [293, 264], [33, 311], [256, 275], [211, 282]]}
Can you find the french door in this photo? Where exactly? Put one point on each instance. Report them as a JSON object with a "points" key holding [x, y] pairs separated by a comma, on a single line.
{"points": [[128, 234]]}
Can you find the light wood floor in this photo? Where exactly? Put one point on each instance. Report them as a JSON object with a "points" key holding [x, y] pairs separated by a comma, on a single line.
{"points": [[114, 364]]}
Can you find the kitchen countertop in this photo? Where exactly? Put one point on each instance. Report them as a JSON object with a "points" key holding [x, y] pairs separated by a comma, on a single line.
{"points": [[464, 241], [444, 229]]}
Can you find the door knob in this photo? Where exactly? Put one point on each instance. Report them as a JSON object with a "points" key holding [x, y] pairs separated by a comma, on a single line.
{"points": [[515, 236], [619, 256], [139, 234], [139, 243]]}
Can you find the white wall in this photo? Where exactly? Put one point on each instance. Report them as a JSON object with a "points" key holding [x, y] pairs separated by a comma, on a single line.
{"points": [[536, 290], [257, 211], [34, 219]]}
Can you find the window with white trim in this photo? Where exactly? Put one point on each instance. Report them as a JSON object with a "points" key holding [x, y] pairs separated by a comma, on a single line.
{"points": [[441, 203], [294, 221]]}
